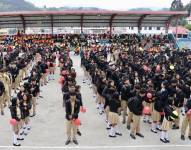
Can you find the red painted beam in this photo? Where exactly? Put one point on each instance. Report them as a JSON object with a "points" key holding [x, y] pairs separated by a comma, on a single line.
{"points": [[102, 12]]}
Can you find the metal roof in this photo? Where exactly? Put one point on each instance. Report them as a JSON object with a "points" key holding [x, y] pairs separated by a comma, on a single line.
{"points": [[81, 19]]}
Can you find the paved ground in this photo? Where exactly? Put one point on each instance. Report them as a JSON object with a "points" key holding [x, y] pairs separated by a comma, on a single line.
{"points": [[48, 127]]}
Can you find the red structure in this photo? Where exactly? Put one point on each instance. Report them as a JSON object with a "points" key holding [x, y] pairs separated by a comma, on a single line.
{"points": [[83, 19]]}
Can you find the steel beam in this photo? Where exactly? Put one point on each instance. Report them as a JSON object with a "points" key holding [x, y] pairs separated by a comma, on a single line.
{"points": [[139, 23], [23, 22]]}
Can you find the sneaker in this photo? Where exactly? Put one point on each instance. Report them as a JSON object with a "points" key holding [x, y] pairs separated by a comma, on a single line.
{"points": [[112, 136], [167, 140], [20, 139], [132, 136], [67, 142], [149, 122], [75, 141], [144, 120], [175, 127], [159, 129], [140, 135], [153, 130], [128, 127], [2, 113], [189, 137], [117, 133], [182, 137], [163, 140], [79, 133], [16, 144]]}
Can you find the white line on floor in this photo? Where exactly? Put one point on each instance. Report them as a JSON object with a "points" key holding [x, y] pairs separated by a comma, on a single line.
{"points": [[95, 147]]}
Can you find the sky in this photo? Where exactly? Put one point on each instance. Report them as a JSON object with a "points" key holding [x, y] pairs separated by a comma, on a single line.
{"points": [[106, 4]]}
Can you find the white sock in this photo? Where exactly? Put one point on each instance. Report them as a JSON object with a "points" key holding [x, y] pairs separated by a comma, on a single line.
{"points": [[158, 126], [25, 129], [102, 105], [108, 125], [15, 138], [153, 127], [166, 135], [100, 108], [111, 132], [162, 135], [116, 129]]}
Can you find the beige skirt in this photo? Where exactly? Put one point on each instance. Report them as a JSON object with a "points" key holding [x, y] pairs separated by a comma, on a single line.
{"points": [[156, 116], [113, 118], [166, 125]]}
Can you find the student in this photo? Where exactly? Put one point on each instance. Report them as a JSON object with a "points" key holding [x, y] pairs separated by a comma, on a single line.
{"points": [[16, 114], [186, 121], [113, 117], [2, 90], [72, 110], [125, 95], [169, 117], [135, 105]]}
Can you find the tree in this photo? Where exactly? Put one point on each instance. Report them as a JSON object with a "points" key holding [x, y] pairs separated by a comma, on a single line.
{"points": [[188, 26], [177, 5]]}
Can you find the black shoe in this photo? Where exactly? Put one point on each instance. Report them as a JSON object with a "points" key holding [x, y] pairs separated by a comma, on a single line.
{"points": [[140, 135], [145, 121], [2, 113], [132, 136], [79, 133], [112, 136], [108, 128], [20, 139], [120, 134], [16, 144], [75, 142], [67, 142], [41, 96], [128, 127], [163, 140], [167, 140], [159, 129], [154, 131], [182, 137], [175, 127], [189, 137], [123, 122], [149, 122]]}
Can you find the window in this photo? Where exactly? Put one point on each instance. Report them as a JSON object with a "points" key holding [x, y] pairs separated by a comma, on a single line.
{"points": [[132, 28], [145, 28], [150, 28], [158, 28]]}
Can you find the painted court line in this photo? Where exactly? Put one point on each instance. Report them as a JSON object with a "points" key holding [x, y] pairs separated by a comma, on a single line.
{"points": [[94, 147]]}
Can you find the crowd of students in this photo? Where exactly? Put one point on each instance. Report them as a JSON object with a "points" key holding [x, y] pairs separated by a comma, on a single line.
{"points": [[130, 75], [24, 69], [144, 75]]}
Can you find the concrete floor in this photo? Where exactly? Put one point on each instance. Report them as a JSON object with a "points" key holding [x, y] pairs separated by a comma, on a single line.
{"points": [[48, 127]]}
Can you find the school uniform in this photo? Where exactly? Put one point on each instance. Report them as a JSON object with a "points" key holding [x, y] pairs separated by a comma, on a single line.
{"points": [[186, 120], [72, 109], [2, 90]]}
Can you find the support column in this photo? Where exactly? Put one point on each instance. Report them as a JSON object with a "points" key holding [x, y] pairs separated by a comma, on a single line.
{"points": [[111, 23], [52, 24], [81, 22], [139, 23], [23, 22]]}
